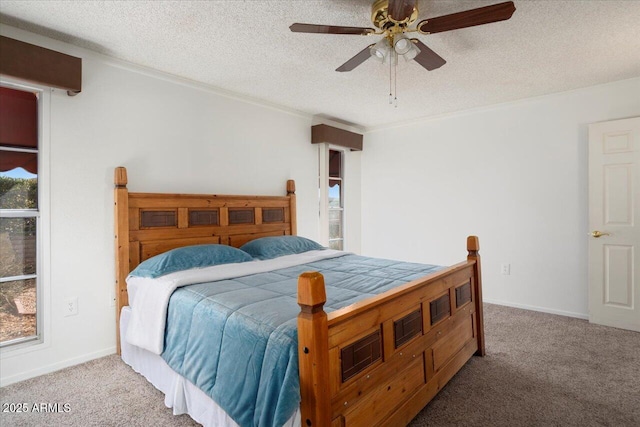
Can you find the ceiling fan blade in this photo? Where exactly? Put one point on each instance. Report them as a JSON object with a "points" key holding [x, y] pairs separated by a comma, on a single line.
{"points": [[399, 10], [468, 18], [330, 29], [362, 56], [427, 58]]}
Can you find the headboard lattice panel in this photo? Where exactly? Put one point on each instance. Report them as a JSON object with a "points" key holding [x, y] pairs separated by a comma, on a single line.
{"points": [[148, 224], [168, 221]]}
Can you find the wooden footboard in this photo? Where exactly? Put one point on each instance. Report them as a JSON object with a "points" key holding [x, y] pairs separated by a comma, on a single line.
{"points": [[380, 361]]}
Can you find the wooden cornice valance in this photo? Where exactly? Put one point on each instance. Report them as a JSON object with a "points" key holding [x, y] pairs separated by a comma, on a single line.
{"points": [[328, 134], [37, 64]]}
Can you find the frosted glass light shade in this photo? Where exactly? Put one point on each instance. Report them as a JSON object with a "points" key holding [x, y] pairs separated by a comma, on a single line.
{"points": [[402, 45], [380, 50], [412, 53]]}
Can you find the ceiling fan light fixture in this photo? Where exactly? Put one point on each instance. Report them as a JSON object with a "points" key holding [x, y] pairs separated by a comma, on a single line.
{"points": [[394, 19], [402, 45], [412, 53], [380, 50]]}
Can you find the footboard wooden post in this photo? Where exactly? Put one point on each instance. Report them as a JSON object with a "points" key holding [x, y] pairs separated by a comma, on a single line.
{"points": [[121, 199], [291, 192], [473, 246], [313, 351]]}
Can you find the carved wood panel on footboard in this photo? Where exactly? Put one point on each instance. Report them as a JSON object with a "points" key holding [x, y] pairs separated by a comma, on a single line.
{"points": [[382, 360]]}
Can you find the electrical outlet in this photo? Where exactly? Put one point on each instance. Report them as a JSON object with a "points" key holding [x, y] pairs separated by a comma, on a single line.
{"points": [[505, 269], [71, 306]]}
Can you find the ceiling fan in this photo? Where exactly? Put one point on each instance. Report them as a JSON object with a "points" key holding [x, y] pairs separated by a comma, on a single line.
{"points": [[393, 20]]}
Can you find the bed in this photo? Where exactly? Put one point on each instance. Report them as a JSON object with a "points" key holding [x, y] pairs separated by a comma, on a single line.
{"points": [[377, 361]]}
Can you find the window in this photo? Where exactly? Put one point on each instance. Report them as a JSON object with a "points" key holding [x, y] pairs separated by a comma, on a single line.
{"points": [[336, 200], [332, 202], [19, 216]]}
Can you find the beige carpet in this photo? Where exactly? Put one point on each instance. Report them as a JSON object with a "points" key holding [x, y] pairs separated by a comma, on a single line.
{"points": [[540, 370]]}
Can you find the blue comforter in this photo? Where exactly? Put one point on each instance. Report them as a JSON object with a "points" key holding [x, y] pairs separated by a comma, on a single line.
{"points": [[237, 340]]}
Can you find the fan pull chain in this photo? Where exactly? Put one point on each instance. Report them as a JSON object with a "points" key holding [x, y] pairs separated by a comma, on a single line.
{"points": [[393, 78], [390, 86], [395, 82]]}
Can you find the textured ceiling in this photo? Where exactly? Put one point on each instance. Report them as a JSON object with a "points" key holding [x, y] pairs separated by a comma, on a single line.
{"points": [[246, 47]]}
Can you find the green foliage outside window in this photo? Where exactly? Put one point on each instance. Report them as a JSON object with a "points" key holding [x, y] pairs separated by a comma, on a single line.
{"points": [[18, 193], [17, 235]]}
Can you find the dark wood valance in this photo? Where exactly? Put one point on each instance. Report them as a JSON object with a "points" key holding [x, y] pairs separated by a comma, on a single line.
{"points": [[321, 134], [37, 64]]}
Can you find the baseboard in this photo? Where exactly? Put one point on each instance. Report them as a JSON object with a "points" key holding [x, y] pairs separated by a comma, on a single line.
{"points": [[56, 366], [540, 309]]}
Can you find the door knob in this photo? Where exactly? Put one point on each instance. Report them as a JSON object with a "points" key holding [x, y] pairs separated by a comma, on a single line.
{"points": [[597, 234]]}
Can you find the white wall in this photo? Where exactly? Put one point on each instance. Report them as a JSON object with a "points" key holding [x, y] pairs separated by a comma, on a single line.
{"points": [[515, 175], [172, 136]]}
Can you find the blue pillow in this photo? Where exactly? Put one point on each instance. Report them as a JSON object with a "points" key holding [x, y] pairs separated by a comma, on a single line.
{"points": [[185, 258], [272, 247]]}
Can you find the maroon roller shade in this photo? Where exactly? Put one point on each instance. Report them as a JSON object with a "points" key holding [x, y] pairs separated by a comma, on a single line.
{"points": [[18, 129], [18, 118], [10, 160]]}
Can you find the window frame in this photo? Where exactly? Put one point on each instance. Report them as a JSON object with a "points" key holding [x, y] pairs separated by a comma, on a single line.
{"points": [[41, 339], [323, 184]]}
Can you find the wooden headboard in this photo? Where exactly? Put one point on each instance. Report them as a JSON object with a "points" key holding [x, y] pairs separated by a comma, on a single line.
{"points": [[147, 224]]}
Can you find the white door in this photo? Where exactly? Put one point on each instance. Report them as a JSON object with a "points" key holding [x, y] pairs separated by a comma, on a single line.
{"points": [[614, 223]]}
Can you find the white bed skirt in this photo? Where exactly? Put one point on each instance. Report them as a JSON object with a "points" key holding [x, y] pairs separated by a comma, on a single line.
{"points": [[180, 393]]}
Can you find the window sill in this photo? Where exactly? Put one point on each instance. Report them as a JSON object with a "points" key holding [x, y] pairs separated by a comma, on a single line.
{"points": [[21, 348]]}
